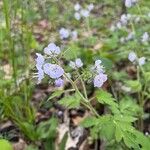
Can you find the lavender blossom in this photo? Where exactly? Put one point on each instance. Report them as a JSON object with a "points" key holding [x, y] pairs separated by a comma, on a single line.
{"points": [[53, 70], [132, 56], [128, 3], [85, 13], [74, 35], [141, 61], [59, 82], [39, 61], [97, 62], [145, 37], [124, 19], [118, 25], [99, 80], [77, 16], [77, 7], [64, 33], [90, 7], [99, 68], [39, 64], [77, 64], [130, 36], [52, 50], [40, 75]]}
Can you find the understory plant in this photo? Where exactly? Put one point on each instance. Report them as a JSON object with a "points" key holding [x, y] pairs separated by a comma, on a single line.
{"points": [[116, 125], [101, 66]]}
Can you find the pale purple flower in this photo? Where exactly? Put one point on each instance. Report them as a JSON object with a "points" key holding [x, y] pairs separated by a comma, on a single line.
{"points": [[77, 7], [99, 80], [124, 19], [78, 63], [90, 7], [130, 36], [40, 75], [59, 82], [46, 68], [53, 70], [99, 68], [132, 56], [141, 61], [119, 26], [39, 64], [52, 50], [97, 62], [85, 13], [39, 61], [74, 35], [145, 37], [128, 3], [77, 16], [64, 33], [100, 77]]}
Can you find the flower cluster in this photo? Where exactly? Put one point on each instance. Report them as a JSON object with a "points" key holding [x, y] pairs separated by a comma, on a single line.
{"points": [[133, 58], [98, 70], [54, 71], [65, 33], [81, 12], [144, 38], [125, 20], [100, 76]]}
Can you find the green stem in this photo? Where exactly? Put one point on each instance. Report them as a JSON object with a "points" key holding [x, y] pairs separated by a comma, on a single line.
{"points": [[140, 100], [84, 101], [83, 85]]}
